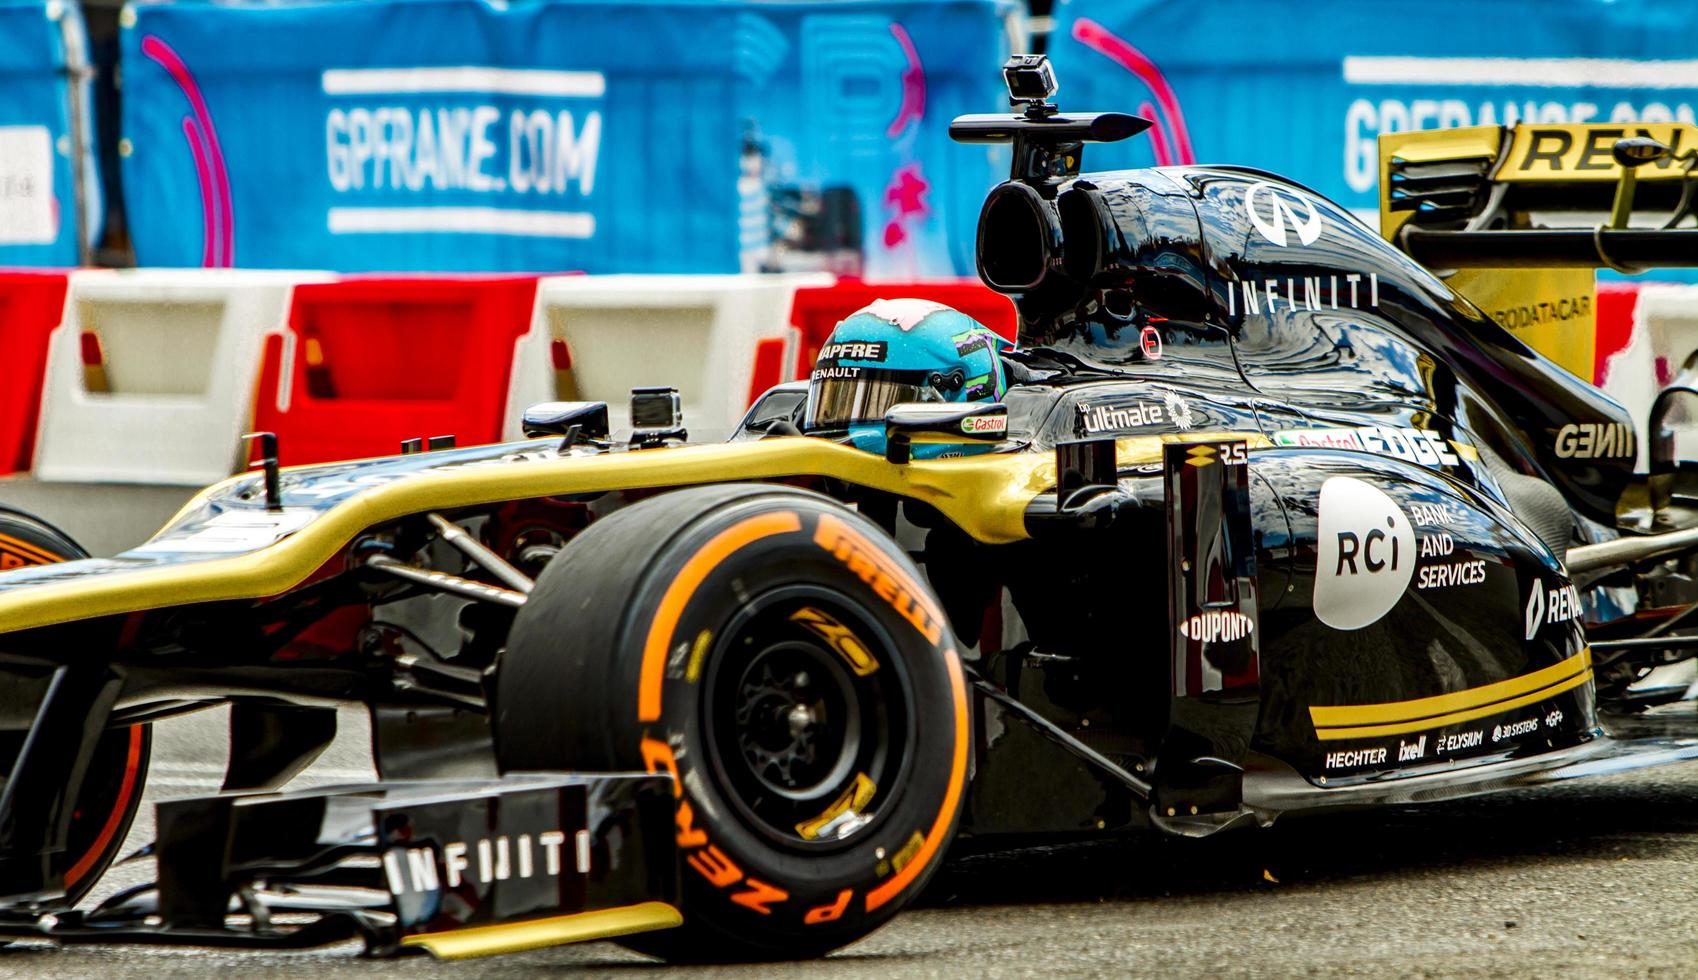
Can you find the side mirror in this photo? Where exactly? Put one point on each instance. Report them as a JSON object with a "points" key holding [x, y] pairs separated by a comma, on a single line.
{"points": [[932, 423], [555, 418], [778, 412], [1638, 151]]}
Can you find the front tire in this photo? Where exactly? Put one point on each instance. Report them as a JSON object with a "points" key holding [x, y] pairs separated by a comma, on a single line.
{"points": [[784, 661], [112, 785]]}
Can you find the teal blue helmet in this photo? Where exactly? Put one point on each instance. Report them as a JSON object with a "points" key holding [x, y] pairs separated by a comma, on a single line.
{"points": [[901, 350]]}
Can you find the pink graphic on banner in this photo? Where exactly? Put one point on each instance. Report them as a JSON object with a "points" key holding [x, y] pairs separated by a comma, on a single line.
{"points": [[907, 194], [1158, 138], [913, 85], [907, 188], [219, 248], [210, 236], [1171, 139]]}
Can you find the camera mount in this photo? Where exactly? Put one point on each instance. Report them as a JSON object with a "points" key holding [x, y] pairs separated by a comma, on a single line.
{"points": [[1048, 145]]}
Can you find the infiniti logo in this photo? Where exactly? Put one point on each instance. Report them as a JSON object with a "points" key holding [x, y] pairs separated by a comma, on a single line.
{"points": [[1273, 226]]}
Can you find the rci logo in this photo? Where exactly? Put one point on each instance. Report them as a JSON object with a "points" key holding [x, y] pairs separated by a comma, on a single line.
{"points": [[1365, 554], [1272, 226]]}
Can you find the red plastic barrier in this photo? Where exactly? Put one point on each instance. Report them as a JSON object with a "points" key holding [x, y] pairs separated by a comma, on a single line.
{"points": [[768, 367], [379, 360], [1616, 304], [31, 306], [817, 309]]}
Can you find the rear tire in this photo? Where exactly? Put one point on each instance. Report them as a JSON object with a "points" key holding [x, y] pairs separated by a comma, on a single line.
{"points": [[783, 659], [112, 786]]}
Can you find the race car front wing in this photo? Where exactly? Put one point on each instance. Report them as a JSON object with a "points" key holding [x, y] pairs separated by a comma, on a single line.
{"points": [[458, 868]]}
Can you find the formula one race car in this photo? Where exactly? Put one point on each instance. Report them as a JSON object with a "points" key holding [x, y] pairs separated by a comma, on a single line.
{"points": [[1260, 516]]}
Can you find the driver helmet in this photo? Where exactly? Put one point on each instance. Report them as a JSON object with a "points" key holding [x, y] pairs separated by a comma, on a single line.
{"points": [[901, 350]]}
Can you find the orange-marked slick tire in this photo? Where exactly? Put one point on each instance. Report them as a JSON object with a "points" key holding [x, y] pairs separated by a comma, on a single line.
{"points": [[787, 663], [111, 789]]}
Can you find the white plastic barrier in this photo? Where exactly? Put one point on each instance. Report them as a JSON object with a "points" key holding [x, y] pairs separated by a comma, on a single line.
{"points": [[1662, 335], [151, 374], [712, 337]]}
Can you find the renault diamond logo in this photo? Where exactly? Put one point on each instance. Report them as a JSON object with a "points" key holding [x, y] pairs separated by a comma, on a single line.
{"points": [[1279, 202], [1535, 610], [1200, 455]]}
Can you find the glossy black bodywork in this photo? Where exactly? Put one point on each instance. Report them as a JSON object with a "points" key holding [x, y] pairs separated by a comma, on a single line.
{"points": [[1340, 325], [1092, 626], [1280, 315]]}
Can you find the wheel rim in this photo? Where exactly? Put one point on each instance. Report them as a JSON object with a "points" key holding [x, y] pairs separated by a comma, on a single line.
{"points": [[795, 728], [811, 745]]}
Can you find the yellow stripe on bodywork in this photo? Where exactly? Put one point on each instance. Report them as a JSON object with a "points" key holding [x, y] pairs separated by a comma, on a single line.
{"points": [[515, 937], [1401, 717], [986, 496]]}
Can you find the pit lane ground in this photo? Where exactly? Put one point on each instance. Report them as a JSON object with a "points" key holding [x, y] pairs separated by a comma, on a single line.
{"points": [[1591, 878]]}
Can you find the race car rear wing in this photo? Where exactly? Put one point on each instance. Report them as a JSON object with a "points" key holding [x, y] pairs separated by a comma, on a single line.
{"points": [[1540, 196], [1517, 218]]}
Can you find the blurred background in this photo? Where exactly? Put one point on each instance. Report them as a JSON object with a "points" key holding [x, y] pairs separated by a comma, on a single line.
{"points": [[694, 136], [358, 221]]}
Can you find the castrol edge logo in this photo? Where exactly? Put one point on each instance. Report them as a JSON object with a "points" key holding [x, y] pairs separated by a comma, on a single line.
{"points": [[1366, 554]]}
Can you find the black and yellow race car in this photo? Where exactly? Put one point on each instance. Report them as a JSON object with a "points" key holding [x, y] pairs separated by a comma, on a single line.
{"points": [[1272, 519]]}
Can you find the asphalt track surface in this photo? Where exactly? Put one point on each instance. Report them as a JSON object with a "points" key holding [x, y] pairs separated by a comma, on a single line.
{"points": [[1589, 878]]}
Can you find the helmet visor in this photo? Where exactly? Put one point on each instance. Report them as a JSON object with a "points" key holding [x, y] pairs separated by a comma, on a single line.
{"points": [[840, 397]]}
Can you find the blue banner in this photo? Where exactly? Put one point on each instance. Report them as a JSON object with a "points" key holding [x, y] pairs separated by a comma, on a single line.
{"points": [[38, 38], [1304, 87], [462, 135]]}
